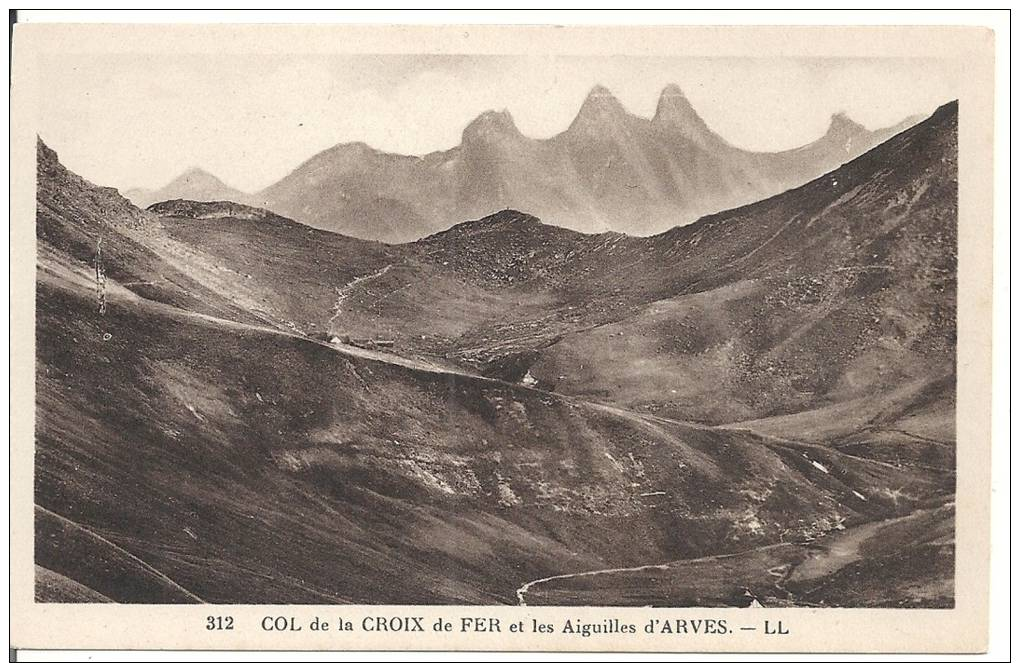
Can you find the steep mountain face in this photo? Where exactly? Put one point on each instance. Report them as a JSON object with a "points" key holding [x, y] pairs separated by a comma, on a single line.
{"points": [[93, 235], [775, 383], [826, 294], [610, 170], [193, 184]]}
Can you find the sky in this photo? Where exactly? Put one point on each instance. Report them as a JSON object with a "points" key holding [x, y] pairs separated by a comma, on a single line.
{"points": [[139, 121]]}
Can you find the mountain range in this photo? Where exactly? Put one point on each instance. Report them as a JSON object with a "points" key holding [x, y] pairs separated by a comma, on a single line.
{"points": [[237, 407], [609, 170]]}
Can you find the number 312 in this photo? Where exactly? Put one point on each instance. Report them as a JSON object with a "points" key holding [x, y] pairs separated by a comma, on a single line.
{"points": [[219, 623]]}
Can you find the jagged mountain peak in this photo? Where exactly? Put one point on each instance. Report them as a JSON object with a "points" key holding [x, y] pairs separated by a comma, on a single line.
{"points": [[600, 98], [599, 91], [44, 154], [490, 125], [198, 174], [840, 125], [599, 113], [195, 183], [42, 148], [675, 111], [673, 107], [673, 101], [600, 107], [670, 92]]}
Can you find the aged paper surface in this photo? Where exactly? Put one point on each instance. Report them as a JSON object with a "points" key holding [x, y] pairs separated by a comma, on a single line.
{"points": [[506, 394]]}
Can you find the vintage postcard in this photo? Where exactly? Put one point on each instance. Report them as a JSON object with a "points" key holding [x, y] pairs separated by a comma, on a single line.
{"points": [[501, 338]]}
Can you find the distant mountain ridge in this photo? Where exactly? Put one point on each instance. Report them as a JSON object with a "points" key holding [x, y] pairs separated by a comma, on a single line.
{"points": [[192, 184], [609, 170]]}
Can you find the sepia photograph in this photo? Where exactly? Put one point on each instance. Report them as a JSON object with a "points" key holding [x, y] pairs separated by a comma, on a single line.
{"points": [[529, 328]]}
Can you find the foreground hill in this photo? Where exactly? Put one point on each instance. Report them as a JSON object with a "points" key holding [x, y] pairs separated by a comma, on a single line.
{"points": [[506, 449]]}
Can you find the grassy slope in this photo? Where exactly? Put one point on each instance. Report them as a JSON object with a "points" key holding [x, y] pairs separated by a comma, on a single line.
{"points": [[388, 478], [198, 460]]}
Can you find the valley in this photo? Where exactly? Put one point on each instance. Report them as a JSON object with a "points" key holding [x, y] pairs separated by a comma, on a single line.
{"points": [[759, 405]]}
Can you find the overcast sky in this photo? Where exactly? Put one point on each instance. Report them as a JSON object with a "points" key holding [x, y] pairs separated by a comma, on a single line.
{"points": [[129, 121]]}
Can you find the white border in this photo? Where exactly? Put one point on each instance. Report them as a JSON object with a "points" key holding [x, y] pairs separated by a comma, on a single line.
{"points": [[1000, 621]]}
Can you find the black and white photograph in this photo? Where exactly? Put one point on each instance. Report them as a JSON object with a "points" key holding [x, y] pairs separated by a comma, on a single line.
{"points": [[518, 329]]}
